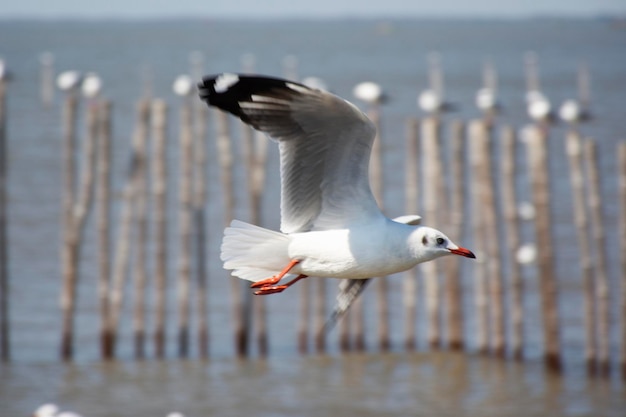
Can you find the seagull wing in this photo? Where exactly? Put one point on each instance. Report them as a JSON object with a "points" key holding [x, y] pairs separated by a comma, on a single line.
{"points": [[325, 144], [349, 291]]}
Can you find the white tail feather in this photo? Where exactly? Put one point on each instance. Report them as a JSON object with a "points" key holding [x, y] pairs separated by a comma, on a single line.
{"points": [[252, 252]]}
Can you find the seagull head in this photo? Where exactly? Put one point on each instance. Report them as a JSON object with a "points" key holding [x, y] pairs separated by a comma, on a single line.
{"points": [[429, 244]]}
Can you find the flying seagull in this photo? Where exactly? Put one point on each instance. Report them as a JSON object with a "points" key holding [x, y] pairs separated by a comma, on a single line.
{"points": [[331, 225]]}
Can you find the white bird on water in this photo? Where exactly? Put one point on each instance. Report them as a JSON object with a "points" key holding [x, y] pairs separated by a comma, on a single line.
{"points": [[331, 225]]}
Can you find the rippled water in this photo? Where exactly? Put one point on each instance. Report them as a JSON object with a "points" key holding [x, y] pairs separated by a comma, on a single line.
{"points": [[358, 385]]}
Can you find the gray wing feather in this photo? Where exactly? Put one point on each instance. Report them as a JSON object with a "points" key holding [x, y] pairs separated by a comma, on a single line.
{"points": [[324, 141]]}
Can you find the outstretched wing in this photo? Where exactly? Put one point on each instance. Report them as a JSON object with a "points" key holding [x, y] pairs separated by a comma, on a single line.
{"points": [[325, 144]]}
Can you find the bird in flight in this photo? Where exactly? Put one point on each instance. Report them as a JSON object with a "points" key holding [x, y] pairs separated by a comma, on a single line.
{"points": [[331, 225]]}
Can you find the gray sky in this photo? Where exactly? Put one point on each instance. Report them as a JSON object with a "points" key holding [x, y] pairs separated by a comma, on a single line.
{"points": [[313, 8]]}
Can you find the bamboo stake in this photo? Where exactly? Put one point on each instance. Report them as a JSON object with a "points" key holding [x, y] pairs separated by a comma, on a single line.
{"points": [[68, 292], [574, 153], [590, 153], [536, 139], [225, 157], [621, 152], [377, 181], [159, 192], [122, 249], [432, 172], [492, 248], [476, 131], [77, 217], [200, 193], [320, 316], [185, 225], [140, 140], [200, 112], [411, 200], [256, 158], [453, 266], [5, 343], [103, 192], [509, 207], [257, 187]]}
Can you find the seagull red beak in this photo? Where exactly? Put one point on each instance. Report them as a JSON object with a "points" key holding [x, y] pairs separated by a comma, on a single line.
{"points": [[463, 252]]}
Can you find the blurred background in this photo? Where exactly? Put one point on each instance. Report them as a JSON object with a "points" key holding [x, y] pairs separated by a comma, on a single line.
{"points": [[137, 51]]}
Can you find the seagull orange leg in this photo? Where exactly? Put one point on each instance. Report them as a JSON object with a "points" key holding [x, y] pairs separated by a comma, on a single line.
{"points": [[273, 289], [274, 280]]}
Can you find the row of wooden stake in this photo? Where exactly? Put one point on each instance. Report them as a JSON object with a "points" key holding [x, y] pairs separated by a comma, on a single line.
{"points": [[425, 150]]}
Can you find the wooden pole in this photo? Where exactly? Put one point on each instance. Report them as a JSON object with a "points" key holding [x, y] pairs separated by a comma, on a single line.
{"points": [[159, 113], [5, 343], [199, 201], [103, 197], [509, 207], [258, 185], [476, 131], [255, 156], [432, 173], [67, 252], [411, 204], [492, 246], [140, 141], [225, 157], [122, 247], [185, 225], [320, 316], [453, 266], [621, 152], [200, 194], [536, 141], [76, 217], [590, 153], [377, 182], [574, 153]]}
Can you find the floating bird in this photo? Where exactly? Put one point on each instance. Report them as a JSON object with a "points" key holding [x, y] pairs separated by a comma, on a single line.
{"points": [[69, 80], [433, 99], [183, 85], [331, 225], [369, 92], [538, 106], [47, 410], [91, 85], [487, 96], [571, 111], [487, 99]]}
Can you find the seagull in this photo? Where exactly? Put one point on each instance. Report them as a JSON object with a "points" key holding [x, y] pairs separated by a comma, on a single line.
{"points": [[47, 410], [331, 225], [572, 111], [538, 106]]}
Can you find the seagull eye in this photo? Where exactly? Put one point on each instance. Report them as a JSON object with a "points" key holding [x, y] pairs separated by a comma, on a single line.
{"points": [[440, 241]]}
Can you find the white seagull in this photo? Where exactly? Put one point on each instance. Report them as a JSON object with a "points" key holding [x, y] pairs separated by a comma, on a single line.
{"points": [[331, 225]]}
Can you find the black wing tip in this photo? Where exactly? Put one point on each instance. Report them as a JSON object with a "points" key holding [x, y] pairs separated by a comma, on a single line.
{"points": [[227, 90]]}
